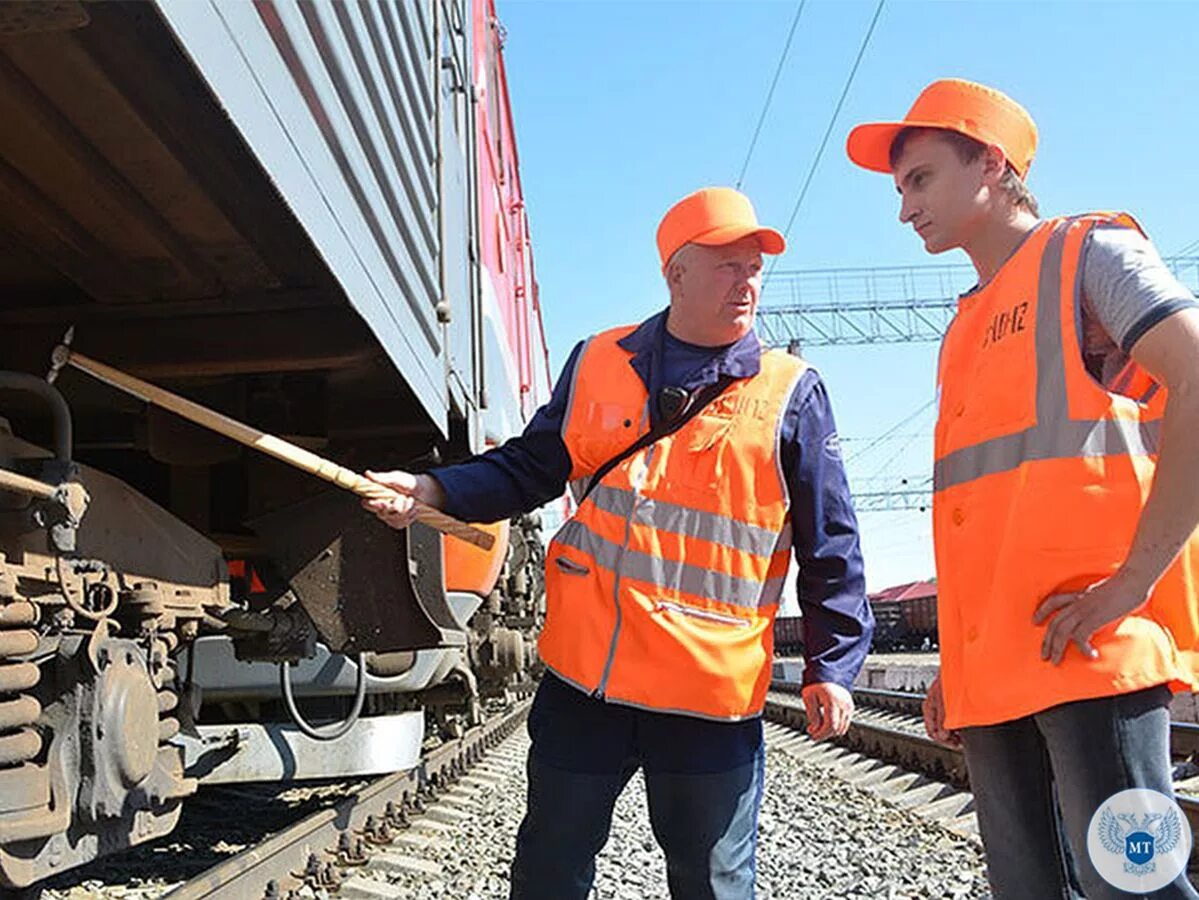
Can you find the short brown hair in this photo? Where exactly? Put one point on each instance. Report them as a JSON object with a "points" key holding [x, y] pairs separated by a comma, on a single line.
{"points": [[968, 150]]}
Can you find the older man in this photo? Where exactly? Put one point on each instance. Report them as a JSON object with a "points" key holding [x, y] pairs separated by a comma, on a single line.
{"points": [[699, 460]]}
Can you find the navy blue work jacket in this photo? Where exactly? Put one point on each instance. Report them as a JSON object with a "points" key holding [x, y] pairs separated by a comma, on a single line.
{"points": [[533, 468]]}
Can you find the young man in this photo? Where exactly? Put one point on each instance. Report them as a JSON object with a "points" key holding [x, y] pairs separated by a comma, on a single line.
{"points": [[663, 586], [1065, 497]]}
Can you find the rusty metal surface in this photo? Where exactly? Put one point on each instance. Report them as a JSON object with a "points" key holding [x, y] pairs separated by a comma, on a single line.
{"points": [[138, 541], [1184, 736], [84, 713], [107, 777], [877, 740], [364, 585]]}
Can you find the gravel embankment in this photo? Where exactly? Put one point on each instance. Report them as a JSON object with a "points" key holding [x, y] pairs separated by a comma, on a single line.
{"points": [[820, 838]]}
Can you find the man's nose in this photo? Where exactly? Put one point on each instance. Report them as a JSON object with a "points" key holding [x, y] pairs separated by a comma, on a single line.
{"points": [[907, 210]]}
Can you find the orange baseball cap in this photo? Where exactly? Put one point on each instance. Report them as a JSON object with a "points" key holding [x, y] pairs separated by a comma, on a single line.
{"points": [[713, 216], [974, 110]]}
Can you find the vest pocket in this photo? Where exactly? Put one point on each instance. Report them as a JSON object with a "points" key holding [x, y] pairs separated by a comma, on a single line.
{"points": [[706, 431], [598, 431], [697, 457], [706, 615], [570, 567]]}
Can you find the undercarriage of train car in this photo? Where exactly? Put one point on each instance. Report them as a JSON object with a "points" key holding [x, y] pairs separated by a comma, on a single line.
{"points": [[139, 657]]}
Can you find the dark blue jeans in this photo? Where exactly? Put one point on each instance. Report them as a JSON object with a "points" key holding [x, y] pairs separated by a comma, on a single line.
{"points": [[703, 781], [1038, 780]]}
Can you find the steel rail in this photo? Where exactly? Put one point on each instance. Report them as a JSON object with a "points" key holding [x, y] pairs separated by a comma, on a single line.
{"points": [[286, 858], [1184, 736], [920, 753], [877, 739]]}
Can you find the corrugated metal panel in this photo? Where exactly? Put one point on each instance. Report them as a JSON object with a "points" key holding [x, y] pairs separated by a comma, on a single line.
{"points": [[458, 193], [336, 100]]}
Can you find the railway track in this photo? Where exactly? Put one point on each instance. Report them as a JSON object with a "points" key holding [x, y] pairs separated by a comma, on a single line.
{"points": [[430, 835], [801, 855], [416, 835], [318, 851], [888, 727]]}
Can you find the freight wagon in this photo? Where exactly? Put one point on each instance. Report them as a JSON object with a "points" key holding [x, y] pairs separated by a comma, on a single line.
{"points": [[788, 636], [309, 217], [905, 618]]}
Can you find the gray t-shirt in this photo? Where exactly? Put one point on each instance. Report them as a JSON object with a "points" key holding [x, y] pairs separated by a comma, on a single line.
{"points": [[1127, 289]]}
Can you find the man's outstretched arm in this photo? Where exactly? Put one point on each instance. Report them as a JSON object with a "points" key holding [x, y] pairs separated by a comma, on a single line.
{"points": [[524, 473]]}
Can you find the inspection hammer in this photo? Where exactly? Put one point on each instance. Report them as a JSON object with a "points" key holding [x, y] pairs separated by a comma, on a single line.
{"points": [[251, 437]]}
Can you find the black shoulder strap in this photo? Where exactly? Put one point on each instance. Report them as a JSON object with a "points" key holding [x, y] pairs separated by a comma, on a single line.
{"points": [[694, 405]]}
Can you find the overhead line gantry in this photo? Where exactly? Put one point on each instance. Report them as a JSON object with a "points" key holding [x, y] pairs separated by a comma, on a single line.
{"points": [[883, 305]]}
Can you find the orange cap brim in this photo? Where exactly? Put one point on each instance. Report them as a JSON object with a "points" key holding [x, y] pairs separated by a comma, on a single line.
{"points": [[769, 240], [869, 145]]}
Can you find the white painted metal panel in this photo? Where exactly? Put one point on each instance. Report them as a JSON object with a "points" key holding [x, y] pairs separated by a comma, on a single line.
{"points": [[336, 102], [248, 751]]}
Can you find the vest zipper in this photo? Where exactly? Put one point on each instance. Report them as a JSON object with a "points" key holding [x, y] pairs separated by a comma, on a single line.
{"points": [[696, 613], [628, 535]]}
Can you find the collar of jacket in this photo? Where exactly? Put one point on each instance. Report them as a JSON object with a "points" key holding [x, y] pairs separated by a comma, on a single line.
{"points": [[742, 359]]}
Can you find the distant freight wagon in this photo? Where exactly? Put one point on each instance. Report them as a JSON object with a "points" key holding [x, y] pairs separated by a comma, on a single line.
{"points": [[905, 619]]}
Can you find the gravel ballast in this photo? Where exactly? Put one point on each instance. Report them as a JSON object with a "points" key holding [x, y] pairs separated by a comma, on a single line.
{"points": [[820, 837]]}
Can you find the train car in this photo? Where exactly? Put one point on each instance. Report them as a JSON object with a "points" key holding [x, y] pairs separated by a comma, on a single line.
{"points": [[788, 636], [307, 217], [905, 617], [920, 619]]}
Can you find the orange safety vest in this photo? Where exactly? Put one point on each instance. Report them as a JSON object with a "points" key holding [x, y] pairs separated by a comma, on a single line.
{"points": [[1040, 479], [663, 586]]}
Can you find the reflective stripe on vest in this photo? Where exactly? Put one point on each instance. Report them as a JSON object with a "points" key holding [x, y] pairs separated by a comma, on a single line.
{"points": [[1040, 479], [671, 574], [691, 522], [662, 588], [1055, 436]]}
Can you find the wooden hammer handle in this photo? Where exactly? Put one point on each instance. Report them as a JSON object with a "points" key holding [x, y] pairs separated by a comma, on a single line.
{"points": [[14, 481], [276, 447]]}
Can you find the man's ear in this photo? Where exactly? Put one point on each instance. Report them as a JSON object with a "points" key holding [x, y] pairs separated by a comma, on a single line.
{"points": [[674, 272], [994, 164]]}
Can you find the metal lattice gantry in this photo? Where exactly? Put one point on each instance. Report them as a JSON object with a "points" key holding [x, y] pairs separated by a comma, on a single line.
{"points": [[884, 305], [892, 501], [891, 494]]}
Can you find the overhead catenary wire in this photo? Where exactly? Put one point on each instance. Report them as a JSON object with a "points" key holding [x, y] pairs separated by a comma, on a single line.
{"points": [[770, 93], [908, 540], [803, 192], [892, 437], [894, 428], [894, 457]]}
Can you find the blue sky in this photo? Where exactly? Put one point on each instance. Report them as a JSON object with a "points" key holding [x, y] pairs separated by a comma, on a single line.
{"points": [[622, 108]]}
